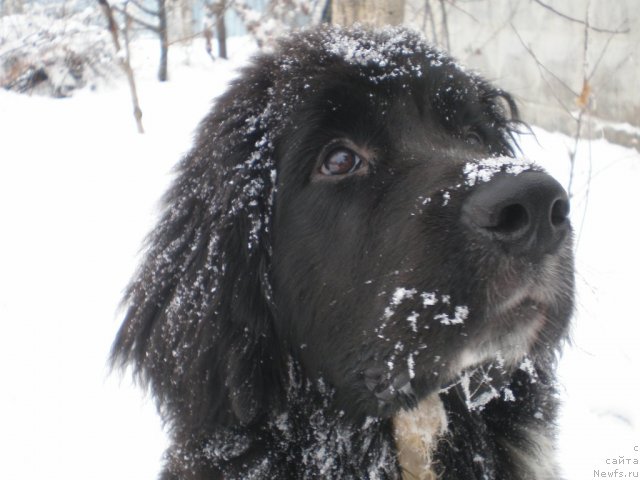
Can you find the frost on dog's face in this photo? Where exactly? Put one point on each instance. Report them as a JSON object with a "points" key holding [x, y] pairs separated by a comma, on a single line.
{"points": [[376, 258]]}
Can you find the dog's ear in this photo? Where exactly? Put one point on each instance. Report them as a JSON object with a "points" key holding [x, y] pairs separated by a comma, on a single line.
{"points": [[198, 324], [502, 112]]}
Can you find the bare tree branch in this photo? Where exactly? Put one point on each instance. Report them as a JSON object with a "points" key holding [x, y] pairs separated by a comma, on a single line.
{"points": [[124, 60], [576, 20], [586, 195], [445, 25], [217, 10], [611, 72], [583, 102], [495, 33], [163, 33], [540, 64], [187, 38], [462, 10], [112, 26], [136, 20], [601, 56], [144, 9], [432, 21]]}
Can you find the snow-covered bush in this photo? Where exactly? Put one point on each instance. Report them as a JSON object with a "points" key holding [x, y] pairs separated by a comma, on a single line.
{"points": [[277, 18], [54, 49]]}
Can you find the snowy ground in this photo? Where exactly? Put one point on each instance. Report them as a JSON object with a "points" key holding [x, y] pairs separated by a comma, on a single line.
{"points": [[78, 191]]}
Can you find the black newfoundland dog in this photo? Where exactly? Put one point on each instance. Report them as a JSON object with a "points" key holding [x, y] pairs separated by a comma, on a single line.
{"points": [[354, 277]]}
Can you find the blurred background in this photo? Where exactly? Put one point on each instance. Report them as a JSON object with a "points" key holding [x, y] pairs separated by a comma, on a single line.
{"points": [[100, 99], [561, 58]]}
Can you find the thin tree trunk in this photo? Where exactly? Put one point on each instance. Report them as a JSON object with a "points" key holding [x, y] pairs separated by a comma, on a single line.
{"points": [[164, 41], [445, 26], [137, 112], [123, 60], [221, 29], [432, 22], [208, 35]]}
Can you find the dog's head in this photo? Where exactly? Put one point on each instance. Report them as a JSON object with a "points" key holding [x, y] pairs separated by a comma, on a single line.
{"points": [[352, 202]]}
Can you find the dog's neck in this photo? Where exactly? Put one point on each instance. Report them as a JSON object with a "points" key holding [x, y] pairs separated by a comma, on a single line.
{"points": [[306, 435]]}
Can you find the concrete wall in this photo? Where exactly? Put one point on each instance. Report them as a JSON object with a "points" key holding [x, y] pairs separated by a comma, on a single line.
{"points": [[368, 12], [503, 38]]}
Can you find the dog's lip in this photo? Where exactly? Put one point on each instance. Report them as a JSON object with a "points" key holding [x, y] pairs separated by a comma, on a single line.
{"points": [[525, 296], [536, 284], [522, 315], [397, 392]]}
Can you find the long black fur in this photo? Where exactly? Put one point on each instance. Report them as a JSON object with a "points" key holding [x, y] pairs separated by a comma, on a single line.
{"points": [[271, 308]]}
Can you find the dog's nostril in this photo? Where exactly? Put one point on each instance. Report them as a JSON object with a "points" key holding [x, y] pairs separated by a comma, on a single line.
{"points": [[559, 212], [511, 219], [526, 214]]}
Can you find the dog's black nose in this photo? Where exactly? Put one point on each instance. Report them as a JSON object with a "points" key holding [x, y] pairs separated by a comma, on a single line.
{"points": [[527, 213]]}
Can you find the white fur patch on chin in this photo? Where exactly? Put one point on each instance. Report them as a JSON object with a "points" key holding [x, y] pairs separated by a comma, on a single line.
{"points": [[510, 349], [416, 433]]}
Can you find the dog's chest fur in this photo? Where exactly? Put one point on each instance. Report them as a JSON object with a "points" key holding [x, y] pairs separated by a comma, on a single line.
{"points": [[416, 434]]}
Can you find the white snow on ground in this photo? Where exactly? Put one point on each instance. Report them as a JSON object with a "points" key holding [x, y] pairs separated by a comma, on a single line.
{"points": [[78, 192], [600, 373]]}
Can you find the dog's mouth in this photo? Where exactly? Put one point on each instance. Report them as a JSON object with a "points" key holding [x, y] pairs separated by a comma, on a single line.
{"points": [[391, 394], [475, 347], [481, 370]]}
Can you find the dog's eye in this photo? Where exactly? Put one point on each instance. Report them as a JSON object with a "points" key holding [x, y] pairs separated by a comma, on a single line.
{"points": [[340, 162], [472, 138]]}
